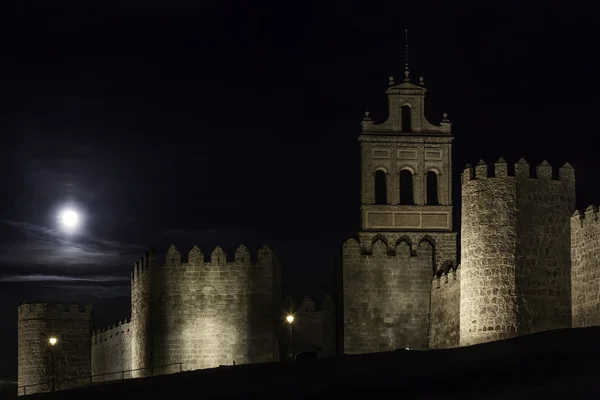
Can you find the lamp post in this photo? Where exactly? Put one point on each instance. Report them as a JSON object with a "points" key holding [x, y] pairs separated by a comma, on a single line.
{"points": [[53, 340], [290, 319]]}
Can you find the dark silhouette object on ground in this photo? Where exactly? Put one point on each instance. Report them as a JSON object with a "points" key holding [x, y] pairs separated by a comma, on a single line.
{"points": [[309, 355]]}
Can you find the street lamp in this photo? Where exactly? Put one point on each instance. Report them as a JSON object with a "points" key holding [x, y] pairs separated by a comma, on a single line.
{"points": [[52, 340], [290, 319]]}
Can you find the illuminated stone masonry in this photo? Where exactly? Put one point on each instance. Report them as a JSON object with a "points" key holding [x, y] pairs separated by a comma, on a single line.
{"points": [[526, 264]]}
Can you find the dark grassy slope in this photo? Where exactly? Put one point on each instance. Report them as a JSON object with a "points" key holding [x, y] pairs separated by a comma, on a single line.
{"points": [[551, 364]]}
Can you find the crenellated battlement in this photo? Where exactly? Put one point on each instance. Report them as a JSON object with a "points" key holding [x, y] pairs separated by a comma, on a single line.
{"points": [[583, 218], [308, 305], [28, 311], [218, 257], [102, 335], [499, 169], [401, 248], [144, 264], [196, 258], [446, 278]]}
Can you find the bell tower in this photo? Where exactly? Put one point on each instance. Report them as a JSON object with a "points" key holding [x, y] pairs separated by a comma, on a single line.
{"points": [[406, 165], [406, 236]]}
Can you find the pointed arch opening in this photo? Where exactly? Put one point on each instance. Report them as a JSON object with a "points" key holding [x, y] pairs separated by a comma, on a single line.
{"points": [[432, 189], [406, 119], [380, 187], [406, 188]]}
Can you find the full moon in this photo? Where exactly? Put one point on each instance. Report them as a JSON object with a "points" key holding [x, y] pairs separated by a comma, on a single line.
{"points": [[69, 218]]}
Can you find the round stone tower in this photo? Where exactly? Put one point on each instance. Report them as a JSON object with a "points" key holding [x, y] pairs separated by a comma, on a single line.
{"points": [[61, 363], [515, 251]]}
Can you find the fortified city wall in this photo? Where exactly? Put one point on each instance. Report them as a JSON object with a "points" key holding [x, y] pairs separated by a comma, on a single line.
{"points": [[515, 256], [68, 362]]}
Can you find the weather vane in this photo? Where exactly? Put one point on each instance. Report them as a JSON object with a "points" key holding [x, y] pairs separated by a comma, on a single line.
{"points": [[406, 72], [406, 46]]}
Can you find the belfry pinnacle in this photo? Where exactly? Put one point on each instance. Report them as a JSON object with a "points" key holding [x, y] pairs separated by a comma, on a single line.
{"points": [[406, 71]]}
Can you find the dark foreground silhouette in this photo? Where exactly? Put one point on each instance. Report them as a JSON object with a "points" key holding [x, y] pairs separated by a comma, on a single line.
{"points": [[557, 364]]}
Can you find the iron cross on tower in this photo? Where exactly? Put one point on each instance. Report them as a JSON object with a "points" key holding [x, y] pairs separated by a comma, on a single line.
{"points": [[406, 51]]}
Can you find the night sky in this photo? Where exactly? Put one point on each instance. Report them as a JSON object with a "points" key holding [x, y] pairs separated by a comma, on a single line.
{"points": [[221, 123]]}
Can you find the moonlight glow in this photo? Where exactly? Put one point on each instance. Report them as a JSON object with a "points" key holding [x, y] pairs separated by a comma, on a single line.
{"points": [[69, 219]]}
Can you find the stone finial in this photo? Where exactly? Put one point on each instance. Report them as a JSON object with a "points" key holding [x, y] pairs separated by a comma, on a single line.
{"points": [[406, 73], [172, 257], [195, 256], [500, 168], [265, 255], [445, 117], [567, 166], [242, 254], [467, 173], [391, 81], [544, 170], [481, 169], [566, 172], [591, 212], [367, 116], [218, 256], [421, 81], [307, 304], [522, 168]]}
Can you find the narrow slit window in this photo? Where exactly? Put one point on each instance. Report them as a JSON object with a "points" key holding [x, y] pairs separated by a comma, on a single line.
{"points": [[406, 187], [406, 119], [432, 189], [380, 188]]}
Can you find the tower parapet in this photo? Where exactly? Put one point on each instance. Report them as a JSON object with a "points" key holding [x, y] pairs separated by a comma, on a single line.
{"points": [[204, 313], [515, 251], [444, 330], [67, 362], [111, 352], [313, 325], [585, 271]]}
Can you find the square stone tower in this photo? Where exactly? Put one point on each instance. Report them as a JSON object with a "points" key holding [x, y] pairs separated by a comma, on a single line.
{"points": [[406, 218]]}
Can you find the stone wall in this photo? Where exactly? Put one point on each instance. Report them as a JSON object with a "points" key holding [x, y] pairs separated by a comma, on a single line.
{"points": [[444, 244], [68, 362], [585, 267], [313, 327], [141, 338], [515, 257], [544, 209], [386, 296], [444, 331], [111, 353], [206, 314]]}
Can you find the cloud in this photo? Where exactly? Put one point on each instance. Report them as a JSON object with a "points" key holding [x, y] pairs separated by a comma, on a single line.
{"points": [[50, 247], [60, 278]]}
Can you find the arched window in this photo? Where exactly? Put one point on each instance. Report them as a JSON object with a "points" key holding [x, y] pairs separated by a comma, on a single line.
{"points": [[432, 189], [406, 119], [406, 187], [380, 188]]}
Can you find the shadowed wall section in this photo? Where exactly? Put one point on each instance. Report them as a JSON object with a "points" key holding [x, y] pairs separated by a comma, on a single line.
{"points": [[313, 326], [386, 296], [585, 267], [111, 353], [71, 325], [444, 330], [206, 314]]}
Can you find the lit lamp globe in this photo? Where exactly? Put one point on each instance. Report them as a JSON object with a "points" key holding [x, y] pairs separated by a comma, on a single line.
{"points": [[52, 341], [290, 318]]}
